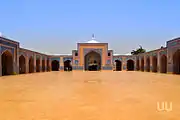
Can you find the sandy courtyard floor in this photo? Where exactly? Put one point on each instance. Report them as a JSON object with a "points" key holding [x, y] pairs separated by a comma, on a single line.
{"points": [[89, 96]]}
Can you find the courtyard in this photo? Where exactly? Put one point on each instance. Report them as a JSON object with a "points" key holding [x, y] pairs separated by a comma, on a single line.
{"points": [[89, 96]]}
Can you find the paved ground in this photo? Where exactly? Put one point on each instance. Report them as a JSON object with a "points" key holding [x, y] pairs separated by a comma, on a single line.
{"points": [[89, 96]]}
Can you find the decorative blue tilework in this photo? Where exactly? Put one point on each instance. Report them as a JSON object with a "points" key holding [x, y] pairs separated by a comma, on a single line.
{"points": [[107, 67], [117, 58], [130, 58], [65, 59], [108, 62], [154, 54], [76, 62], [163, 53], [55, 58], [3, 49], [22, 53], [124, 67], [61, 67], [77, 67], [5, 42], [88, 50]]}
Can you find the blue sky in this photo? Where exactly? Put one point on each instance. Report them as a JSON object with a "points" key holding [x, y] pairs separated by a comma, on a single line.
{"points": [[56, 26]]}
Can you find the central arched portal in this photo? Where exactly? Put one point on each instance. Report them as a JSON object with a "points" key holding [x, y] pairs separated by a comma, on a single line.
{"points": [[92, 61]]}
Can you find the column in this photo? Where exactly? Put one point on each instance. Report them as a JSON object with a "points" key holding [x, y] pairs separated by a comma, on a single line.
{"points": [[14, 64], [170, 62], [40, 59], [34, 62], [49, 64], [158, 62], [151, 63], [61, 63], [124, 63], [27, 64], [45, 62], [145, 64], [17, 61]]}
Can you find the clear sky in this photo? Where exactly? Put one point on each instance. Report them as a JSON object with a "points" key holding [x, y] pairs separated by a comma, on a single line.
{"points": [[55, 26]]}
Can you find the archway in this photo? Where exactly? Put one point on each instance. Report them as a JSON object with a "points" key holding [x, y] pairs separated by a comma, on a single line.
{"points": [[137, 65], [118, 65], [154, 64], [43, 66], [163, 66], [148, 64], [55, 65], [67, 65], [176, 62], [22, 65], [92, 61], [7, 63], [142, 64], [37, 65], [31, 65], [130, 65]]}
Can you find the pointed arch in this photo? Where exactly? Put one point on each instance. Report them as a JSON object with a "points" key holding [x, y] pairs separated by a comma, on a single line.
{"points": [[7, 63], [22, 64]]}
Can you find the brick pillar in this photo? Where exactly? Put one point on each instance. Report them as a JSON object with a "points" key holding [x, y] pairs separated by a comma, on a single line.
{"points": [[45, 62], [158, 62], [50, 67], [61, 64], [151, 63], [17, 61], [27, 64], [40, 59], [34, 62]]}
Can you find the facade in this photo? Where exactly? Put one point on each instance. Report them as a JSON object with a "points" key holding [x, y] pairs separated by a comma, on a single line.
{"points": [[91, 55]]}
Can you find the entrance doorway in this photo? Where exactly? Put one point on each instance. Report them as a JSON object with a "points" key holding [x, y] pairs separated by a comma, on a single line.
{"points": [[67, 65], [22, 64], [92, 61], [163, 66], [130, 65], [7, 63], [118, 65], [55, 65], [176, 62]]}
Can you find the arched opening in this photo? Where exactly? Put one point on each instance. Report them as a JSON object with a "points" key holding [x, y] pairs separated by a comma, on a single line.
{"points": [[163, 65], [148, 64], [31, 65], [37, 65], [7, 63], [142, 64], [55, 65], [176, 62], [92, 61], [137, 65], [118, 65], [43, 66], [154, 64], [67, 65], [47, 64], [22, 65], [130, 65]]}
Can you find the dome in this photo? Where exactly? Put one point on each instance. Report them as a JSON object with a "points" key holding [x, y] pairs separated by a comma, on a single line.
{"points": [[92, 41]]}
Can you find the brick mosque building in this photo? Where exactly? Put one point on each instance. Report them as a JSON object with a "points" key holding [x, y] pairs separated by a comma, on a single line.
{"points": [[91, 55]]}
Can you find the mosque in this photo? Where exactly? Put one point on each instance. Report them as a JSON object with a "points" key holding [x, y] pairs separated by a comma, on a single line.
{"points": [[89, 56]]}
